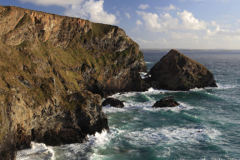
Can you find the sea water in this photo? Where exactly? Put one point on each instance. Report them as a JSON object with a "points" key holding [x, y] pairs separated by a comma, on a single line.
{"points": [[204, 126]]}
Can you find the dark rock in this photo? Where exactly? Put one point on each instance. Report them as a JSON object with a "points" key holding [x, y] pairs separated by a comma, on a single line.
{"points": [[176, 71], [166, 102], [113, 102]]}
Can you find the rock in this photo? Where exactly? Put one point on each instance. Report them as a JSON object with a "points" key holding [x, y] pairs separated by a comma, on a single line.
{"points": [[54, 70], [166, 102], [176, 71], [113, 102]]}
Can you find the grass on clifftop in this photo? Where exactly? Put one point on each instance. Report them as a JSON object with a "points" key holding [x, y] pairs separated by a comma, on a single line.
{"points": [[101, 30]]}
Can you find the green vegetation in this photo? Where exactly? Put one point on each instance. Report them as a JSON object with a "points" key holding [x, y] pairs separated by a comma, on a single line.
{"points": [[23, 45], [100, 30], [140, 55], [73, 68]]}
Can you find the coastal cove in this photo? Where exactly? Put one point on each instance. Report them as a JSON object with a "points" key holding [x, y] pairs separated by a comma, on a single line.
{"points": [[59, 76], [204, 126]]}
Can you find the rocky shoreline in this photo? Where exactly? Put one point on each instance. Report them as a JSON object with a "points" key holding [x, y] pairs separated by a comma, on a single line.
{"points": [[54, 70]]}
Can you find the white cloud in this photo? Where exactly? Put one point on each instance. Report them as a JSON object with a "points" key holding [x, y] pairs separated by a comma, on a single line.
{"points": [[140, 40], [143, 6], [223, 32], [165, 22], [93, 11], [189, 22], [128, 15], [160, 23], [86, 9], [170, 7], [139, 23], [54, 2]]}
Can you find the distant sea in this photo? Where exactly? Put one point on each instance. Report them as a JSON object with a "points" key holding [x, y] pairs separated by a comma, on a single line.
{"points": [[206, 125]]}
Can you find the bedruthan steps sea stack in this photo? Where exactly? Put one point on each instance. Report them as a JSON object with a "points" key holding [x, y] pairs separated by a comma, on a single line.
{"points": [[54, 71], [175, 71]]}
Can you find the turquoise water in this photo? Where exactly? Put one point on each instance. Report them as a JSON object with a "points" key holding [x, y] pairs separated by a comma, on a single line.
{"points": [[204, 126]]}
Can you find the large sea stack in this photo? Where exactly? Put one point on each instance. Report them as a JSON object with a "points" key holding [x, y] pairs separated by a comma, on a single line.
{"points": [[54, 71], [175, 71]]}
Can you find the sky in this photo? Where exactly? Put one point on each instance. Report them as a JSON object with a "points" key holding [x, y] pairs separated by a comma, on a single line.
{"points": [[156, 24]]}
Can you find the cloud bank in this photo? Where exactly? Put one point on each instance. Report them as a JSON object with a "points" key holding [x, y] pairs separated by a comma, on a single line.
{"points": [[165, 22]]}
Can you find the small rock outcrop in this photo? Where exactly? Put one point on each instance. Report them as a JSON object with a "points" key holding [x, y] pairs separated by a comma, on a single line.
{"points": [[166, 102], [113, 102], [175, 71]]}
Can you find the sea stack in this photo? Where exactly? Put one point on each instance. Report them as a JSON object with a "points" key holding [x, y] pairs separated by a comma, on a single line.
{"points": [[175, 71]]}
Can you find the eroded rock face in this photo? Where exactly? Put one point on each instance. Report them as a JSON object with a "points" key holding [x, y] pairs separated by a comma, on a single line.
{"points": [[166, 102], [176, 71], [51, 69], [113, 102], [55, 122]]}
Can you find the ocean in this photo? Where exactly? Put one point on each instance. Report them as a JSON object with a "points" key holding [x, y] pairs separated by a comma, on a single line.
{"points": [[206, 124]]}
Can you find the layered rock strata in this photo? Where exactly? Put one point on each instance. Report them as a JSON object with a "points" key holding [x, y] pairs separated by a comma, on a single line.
{"points": [[175, 71], [52, 71]]}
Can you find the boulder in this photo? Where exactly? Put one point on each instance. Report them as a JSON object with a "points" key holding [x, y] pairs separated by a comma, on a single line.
{"points": [[113, 102], [166, 102], [175, 71]]}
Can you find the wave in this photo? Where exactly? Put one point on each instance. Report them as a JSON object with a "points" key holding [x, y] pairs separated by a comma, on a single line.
{"points": [[38, 151], [149, 62], [226, 86], [171, 135]]}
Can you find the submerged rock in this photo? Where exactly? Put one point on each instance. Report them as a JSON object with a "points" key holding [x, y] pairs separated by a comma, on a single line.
{"points": [[166, 102], [113, 102], [175, 71]]}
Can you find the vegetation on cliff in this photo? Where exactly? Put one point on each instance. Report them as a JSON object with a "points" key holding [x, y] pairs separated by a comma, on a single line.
{"points": [[50, 68]]}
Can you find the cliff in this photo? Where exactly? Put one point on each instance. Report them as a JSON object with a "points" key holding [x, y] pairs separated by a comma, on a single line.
{"points": [[54, 71], [175, 71]]}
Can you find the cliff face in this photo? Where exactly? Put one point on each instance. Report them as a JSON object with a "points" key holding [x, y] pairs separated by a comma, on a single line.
{"points": [[51, 70], [175, 71]]}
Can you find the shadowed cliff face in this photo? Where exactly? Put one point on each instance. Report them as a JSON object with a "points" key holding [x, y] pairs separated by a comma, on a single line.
{"points": [[51, 68]]}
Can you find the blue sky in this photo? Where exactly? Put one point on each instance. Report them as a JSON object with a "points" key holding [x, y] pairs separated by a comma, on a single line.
{"points": [[156, 24]]}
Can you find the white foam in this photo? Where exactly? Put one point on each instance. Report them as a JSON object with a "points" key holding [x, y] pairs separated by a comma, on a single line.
{"points": [[152, 91], [171, 135], [143, 75], [101, 141], [130, 102], [149, 62], [226, 86], [38, 151], [220, 86]]}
